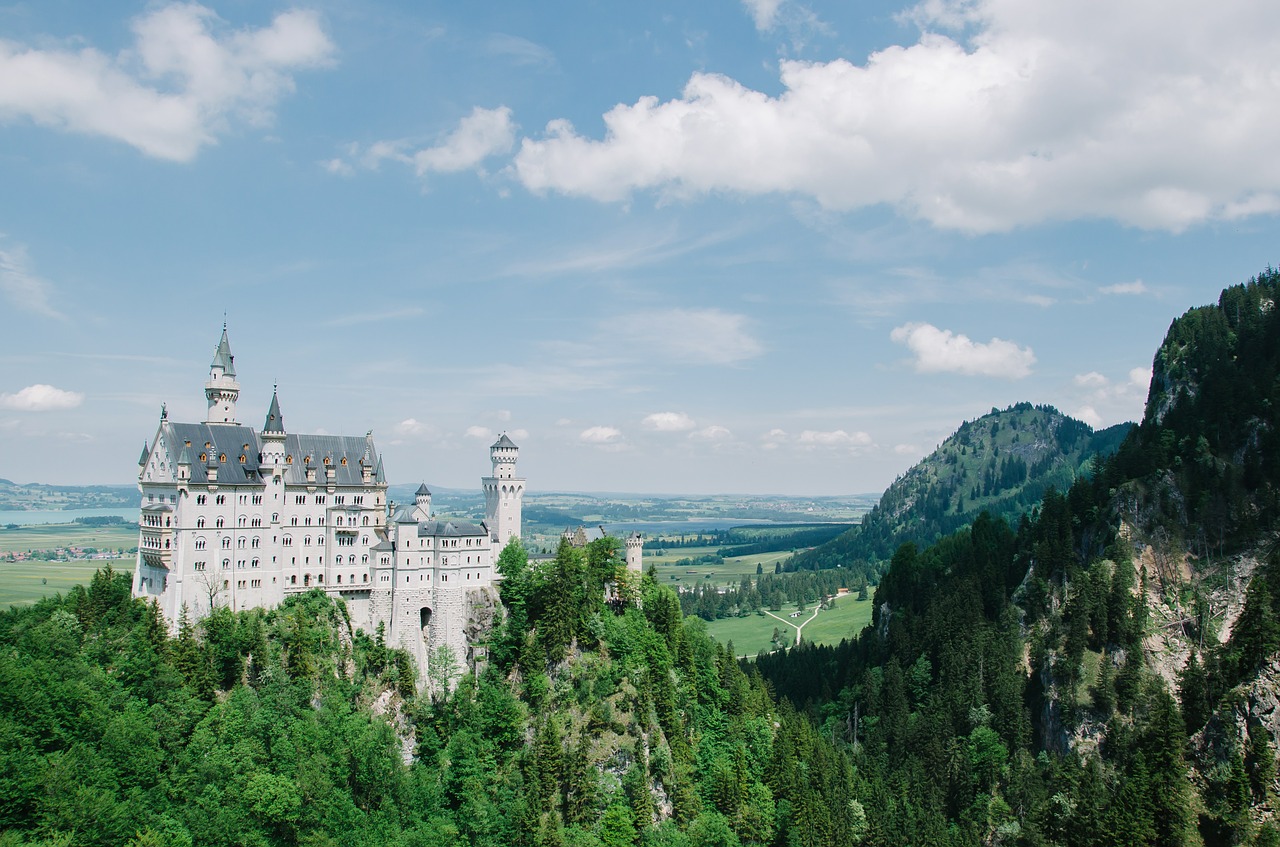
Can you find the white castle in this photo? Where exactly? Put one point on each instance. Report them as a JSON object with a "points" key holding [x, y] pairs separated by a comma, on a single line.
{"points": [[238, 517]]}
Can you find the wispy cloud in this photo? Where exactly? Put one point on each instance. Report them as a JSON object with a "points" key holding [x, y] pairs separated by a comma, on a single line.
{"points": [[1135, 287], [702, 336], [175, 90], [375, 317], [24, 290], [942, 351], [476, 138]]}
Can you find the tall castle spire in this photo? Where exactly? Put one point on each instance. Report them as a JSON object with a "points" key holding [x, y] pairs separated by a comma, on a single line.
{"points": [[222, 390], [503, 491]]}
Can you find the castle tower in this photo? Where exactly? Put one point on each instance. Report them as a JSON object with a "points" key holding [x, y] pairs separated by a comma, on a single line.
{"points": [[635, 552], [222, 390], [273, 438], [503, 492], [422, 502]]}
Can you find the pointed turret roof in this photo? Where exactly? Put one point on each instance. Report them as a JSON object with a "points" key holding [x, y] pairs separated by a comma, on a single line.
{"points": [[222, 357], [503, 441], [378, 475], [184, 458], [422, 489], [146, 454], [274, 423]]}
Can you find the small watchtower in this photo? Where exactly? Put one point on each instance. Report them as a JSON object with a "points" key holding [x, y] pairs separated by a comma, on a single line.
{"points": [[503, 492]]}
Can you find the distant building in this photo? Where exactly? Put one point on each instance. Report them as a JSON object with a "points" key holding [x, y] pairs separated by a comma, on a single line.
{"points": [[240, 517]]}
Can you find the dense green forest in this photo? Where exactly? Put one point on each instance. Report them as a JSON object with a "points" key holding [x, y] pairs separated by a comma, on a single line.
{"points": [[1072, 677], [1002, 463], [595, 722], [1014, 685]]}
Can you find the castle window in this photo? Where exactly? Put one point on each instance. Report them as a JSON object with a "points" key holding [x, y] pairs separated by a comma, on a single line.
{"points": [[344, 461], [242, 458], [218, 523], [226, 543], [201, 499], [339, 579], [240, 543], [199, 523], [319, 577], [293, 580], [365, 521], [204, 457], [222, 458], [288, 541], [254, 563], [366, 578], [306, 542], [288, 460], [199, 543], [221, 500], [242, 520], [293, 521], [257, 499], [226, 563], [199, 566], [364, 560], [275, 517], [255, 583], [256, 541], [308, 521], [256, 522]]}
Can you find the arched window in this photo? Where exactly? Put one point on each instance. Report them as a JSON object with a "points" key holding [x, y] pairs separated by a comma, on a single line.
{"points": [[255, 542], [199, 523], [242, 520], [365, 521], [240, 543], [226, 543], [200, 543], [306, 541], [218, 523]]}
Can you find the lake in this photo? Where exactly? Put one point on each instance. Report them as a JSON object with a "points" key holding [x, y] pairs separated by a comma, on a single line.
{"points": [[30, 518]]}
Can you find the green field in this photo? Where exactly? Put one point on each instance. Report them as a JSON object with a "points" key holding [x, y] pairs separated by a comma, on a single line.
{"points": [[53, 536], [730, 572], [752, 634], [27, 581]]}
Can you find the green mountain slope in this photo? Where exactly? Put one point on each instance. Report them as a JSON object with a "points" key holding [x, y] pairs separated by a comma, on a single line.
{"points": [[1107, 674], [1001, 463]]}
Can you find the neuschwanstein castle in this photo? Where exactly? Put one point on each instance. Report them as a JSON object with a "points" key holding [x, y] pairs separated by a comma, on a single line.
{"points": [[239, 517]]}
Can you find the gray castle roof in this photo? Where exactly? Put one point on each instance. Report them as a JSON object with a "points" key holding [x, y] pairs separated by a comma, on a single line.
{"points": [[449, 529], [422, 489], [274, 422], [222, 356], [234, 441], [504, 441]]}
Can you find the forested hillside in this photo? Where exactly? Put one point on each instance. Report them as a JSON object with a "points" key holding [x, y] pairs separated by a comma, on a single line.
{"points": [[1105, 672], [1002, 463], [594, 722]]}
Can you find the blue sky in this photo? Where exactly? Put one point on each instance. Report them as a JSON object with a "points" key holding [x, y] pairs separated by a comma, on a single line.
{"points": [[763, 246]]}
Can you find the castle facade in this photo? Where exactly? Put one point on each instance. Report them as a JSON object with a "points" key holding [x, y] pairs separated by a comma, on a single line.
{"points": [[241, 517]]}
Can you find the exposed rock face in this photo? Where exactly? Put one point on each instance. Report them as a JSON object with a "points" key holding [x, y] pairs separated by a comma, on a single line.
{"points": [[484, 611]]}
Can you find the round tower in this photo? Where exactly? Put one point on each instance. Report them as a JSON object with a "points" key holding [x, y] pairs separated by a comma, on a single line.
{"points": [[222, 390], [422, 502], [503, 492], [635, 552]]}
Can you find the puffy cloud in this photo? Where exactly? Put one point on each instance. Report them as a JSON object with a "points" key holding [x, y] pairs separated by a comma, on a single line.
{"points": [[1029, 113], [706, 336], [1135, 287], [715, 432], [41, 398], [771, 439], [519, 434], [600, 435], [175, 90], [1103, 402], [834, 438], [410, 427], [668, 422], [942, 351], [481, 432], [483, 133], [906, 449]]}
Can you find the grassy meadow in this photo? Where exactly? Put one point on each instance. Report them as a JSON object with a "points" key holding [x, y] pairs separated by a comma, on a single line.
{"points": [[27, 581], [752, 634]]}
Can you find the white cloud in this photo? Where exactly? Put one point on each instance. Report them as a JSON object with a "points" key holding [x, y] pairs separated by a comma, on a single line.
{"points": [[1135, 287], [180, 85], [715, 432], [834, 438], [1104, 402], [771, 439], [41, 398], [764, 13], [410, 427], [24, 290], [1032, 112], [906, 449], [942, 351], [480, 135], [600, 435], [483, 133], [519, 434], [668, 422], [482, 433], [697, 336]]}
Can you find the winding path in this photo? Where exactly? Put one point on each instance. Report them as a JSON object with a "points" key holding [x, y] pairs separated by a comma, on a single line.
{"points": [[797, 627]]}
